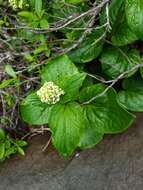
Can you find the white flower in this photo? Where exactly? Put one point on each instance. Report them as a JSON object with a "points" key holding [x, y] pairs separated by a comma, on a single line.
{"points": [[15, 4], [50, 93]]}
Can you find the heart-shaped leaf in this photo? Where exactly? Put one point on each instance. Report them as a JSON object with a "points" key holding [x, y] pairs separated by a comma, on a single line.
{"points": [[67, 124]]}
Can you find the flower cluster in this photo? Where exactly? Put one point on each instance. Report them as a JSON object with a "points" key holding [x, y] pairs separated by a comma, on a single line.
{"points": [[50, 93], [18, 4]]}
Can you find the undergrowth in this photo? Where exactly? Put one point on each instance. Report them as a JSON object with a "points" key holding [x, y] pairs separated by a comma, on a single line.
{"points": [[70, 67]]}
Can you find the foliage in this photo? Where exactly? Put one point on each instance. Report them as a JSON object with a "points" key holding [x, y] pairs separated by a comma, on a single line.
{"points": [[72, 66], [69, 119], [9, 146]]}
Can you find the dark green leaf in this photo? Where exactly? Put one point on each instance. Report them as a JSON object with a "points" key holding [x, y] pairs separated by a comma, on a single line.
{"points": [[93, 132], [106, 113], [134, 15], [89, 49], [132, 95], [116, 8], [123, 35], [116, 61]]}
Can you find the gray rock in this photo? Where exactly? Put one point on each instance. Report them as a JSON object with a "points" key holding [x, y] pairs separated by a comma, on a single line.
{"points": [[115, 164]]}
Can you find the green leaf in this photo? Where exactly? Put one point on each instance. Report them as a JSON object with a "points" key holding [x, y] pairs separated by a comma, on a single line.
{"points": [[123, 35], [44, 24], [93, 132], [90, 138], [89, 49], [40, 49], [7, 144], [64, 11], [2, 150], [10, 151], [10, 71], [116, 61], [134, 15], [74, 1], [21, 151], [28, 15], [21, 143], [29, 57], [66, 123], [116, 8], [58, 70], [33, 111], [106, 114], [38, 6], [8, 82], [71, 87], [64, 74], [132, 95], [91, 91], [115, 11], [2, 134]]}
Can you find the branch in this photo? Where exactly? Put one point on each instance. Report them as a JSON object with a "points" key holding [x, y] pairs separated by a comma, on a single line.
{"points": [[113, 83], [63, 25]]}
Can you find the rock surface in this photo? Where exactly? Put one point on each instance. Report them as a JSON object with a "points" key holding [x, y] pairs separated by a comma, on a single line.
{"points": [[115, 164]]}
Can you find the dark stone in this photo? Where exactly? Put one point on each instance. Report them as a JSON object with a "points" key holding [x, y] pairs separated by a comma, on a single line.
{"points": [[115, 164]]}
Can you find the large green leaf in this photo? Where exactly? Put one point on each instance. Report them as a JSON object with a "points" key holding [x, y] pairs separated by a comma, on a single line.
{"points": [[65, 74], [58, 70], [116, 8], [89, 49], [33, 111], [132, 95], [90, 137], [122, 34], [106, 114], [93, 132], [67, 124], [116, 61], [134, 15]]}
